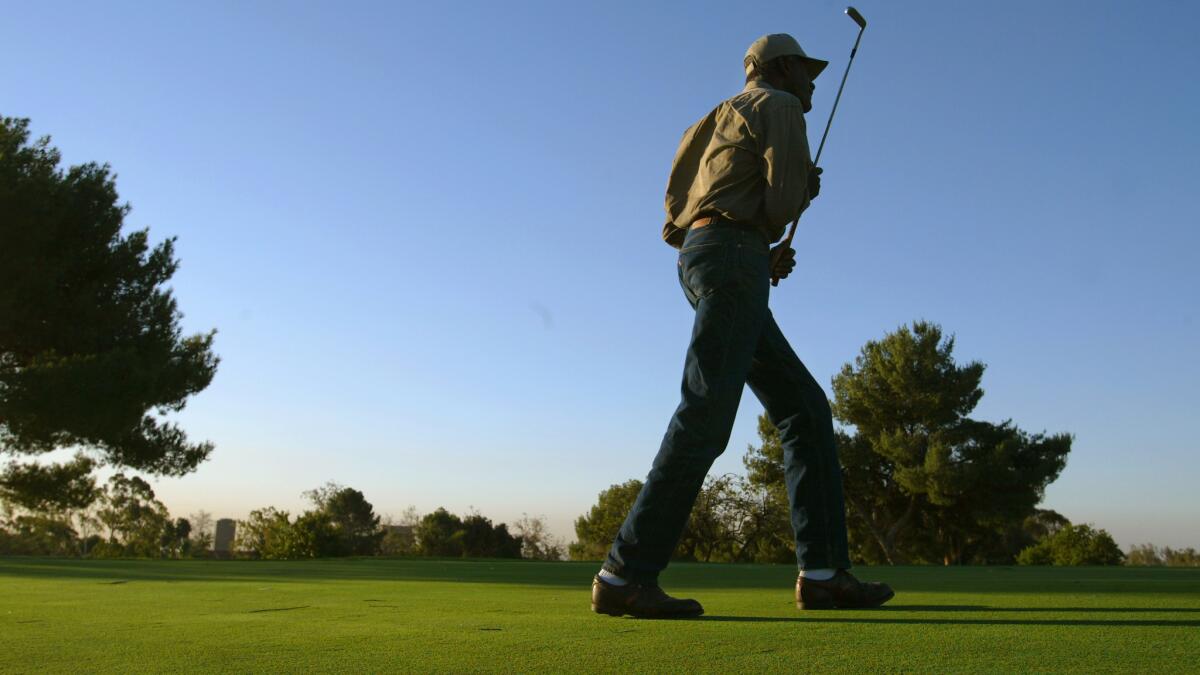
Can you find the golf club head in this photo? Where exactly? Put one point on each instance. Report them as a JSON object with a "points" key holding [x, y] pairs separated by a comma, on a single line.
{"points": [[858, 18]]}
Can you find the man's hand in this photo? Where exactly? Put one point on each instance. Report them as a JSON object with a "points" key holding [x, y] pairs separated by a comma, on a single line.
{"points": [[814, 182], [783, 261]]}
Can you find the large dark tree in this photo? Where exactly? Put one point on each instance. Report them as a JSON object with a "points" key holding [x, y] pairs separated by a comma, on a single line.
{"points": [[596, 530], [482, 539], [356, 523], [440, 534], [351, 516], [924, 482], [91, 351]]}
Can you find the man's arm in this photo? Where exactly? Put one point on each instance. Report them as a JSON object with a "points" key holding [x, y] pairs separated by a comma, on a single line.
{"points": [[787, 162]]}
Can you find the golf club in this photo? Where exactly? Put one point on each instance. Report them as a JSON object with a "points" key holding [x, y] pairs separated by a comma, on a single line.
{"points": [[862, 25]]}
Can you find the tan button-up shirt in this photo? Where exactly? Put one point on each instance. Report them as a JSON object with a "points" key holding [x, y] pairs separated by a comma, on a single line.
{"points": [[747, 160]]}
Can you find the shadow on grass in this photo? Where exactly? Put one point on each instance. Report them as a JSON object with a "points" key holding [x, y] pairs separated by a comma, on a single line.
{"points": [[960, 622], [983, 608]]}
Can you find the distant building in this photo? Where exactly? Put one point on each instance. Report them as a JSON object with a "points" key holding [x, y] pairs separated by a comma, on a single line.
{"points": [[398, 540], [400, 530], [226, 529]]}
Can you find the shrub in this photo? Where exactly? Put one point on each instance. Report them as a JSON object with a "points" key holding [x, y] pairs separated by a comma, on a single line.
{"points": [[1073, 545]]}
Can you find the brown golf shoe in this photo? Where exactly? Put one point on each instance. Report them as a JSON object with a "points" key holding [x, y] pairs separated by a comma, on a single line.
{"points": [[843, 591], [646, 601]]}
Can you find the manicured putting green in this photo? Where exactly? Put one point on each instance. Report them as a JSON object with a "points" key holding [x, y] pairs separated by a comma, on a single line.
{"points": [[515, 616]]}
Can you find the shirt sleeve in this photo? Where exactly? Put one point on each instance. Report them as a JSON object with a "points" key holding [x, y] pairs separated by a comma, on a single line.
{"points": [[786, 162]]}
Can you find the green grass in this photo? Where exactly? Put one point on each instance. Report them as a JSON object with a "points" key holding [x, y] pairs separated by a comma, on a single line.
{"points": [[454, 615]]}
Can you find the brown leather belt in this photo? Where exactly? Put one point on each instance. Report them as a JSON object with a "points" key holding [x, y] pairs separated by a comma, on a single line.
{"points": [[709, 220]]}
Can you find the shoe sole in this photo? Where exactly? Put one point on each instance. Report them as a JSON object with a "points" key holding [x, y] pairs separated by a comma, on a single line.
{"points": [[831, 605], [619, 612], [604, 610], [815, 605]]}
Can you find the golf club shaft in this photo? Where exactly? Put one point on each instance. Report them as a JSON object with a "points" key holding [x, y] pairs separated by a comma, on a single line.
{"points": [[862, 26], [845, 74]]}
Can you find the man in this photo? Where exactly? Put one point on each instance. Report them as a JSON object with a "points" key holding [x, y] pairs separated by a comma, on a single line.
{"points": [[740, 175]]}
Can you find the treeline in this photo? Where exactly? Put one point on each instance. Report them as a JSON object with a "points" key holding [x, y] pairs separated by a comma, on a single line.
{"points": [[342, 522], [924, 482], [736, 520], [1155, 556], [121, 519], [125, 519]]}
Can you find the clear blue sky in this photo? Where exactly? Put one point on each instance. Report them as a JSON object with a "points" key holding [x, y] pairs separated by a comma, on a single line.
{"points": [[428, 233]]}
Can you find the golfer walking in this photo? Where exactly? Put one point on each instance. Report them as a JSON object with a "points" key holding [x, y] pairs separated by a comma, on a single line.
{"points": [[740, 175]]}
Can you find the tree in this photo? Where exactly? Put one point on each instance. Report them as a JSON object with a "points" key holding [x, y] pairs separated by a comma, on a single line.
{"points": [[38, 535], [1074, 545], [1143, 555], [1180, 557], [1044, 523], [321, 496], [46, 507], [91, 351], [271, 534], [482, 539], [354, 521], [201, 534], [923, 481], [135, 519], [995, 475], [350, 517], [176, 541], [440, 534], [50, 487], [1015, 537], [342, 523], [731, 521], [265, 533], [1149, 554], [595, 531], [311, 536], [536, 542]]}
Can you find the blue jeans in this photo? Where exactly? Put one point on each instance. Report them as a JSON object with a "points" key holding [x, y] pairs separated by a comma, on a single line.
{"points": [[725, 273]]}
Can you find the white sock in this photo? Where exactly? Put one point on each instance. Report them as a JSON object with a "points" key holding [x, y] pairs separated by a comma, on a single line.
{"points": [[612, 578], [824, 574]]}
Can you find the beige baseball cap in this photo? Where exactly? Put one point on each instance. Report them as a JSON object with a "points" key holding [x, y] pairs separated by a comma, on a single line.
{"points": [[775, 45]]}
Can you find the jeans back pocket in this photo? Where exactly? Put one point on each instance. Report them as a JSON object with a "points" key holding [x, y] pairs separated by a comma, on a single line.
{"points": [[704, 268]]}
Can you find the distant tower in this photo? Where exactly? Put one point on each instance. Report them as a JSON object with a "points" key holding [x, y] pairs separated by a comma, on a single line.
{"points": [[226, 529]]}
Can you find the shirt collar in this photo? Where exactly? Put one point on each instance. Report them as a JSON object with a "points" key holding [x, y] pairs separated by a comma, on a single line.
{"points": [[757, 84]]}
